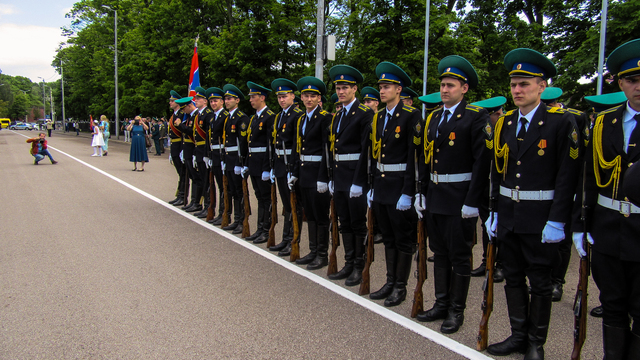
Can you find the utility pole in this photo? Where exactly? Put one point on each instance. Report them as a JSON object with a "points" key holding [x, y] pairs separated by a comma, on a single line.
{"points": [[64, 119], [115, 55], [44, 100], [603, 35], [320, 40]]}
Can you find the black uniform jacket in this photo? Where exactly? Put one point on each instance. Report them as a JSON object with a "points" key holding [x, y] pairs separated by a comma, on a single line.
{"points": [[462, 147], [174, 132], [547, 160], [284, 132], [395, 144], [351, 138], [312, 143], [258, 136], [200, 133], [186, 126], [235, 124], [613, 233], [216, 135]]}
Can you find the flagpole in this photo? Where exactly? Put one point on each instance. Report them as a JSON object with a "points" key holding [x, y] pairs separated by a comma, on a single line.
{"points": [[603, 35], [426, 54]]}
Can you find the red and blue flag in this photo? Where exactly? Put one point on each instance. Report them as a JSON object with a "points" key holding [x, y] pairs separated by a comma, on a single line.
{"points": [[194, 75]]}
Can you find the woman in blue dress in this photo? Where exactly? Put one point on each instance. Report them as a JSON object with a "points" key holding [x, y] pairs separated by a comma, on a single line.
{"points": [[138, 151]]}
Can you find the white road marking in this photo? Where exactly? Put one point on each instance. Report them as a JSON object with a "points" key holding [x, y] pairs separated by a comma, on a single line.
{"points": [[403, 321]]}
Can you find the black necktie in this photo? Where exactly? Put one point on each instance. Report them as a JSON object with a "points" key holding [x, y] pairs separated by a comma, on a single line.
{"points": [[523, 130], [340, 121], [445, 118], [635, 134]]}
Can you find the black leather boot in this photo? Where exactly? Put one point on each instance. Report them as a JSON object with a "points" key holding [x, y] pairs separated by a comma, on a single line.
{"points": [[403, 269], [355, 278], [313, 244], [387, 288], [205, 208], [498, 275], [321, 259], [557, 276], [480, 270], [539, 316], [615, 342], [348, 242], [442, 279], [518, 307], [286, 251], [459, 291], [238, 215], [633, 350], [287, 234], [259, 225]]}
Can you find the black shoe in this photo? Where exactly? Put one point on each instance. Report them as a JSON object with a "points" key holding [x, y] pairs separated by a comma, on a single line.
{"points": [[556, 292], [186, 206], [439, 311], [197, 214], [383, 293], [254, 236], [377, 239], [480, 270], [286, 251], [237, 230], [263, 238], [510, 345], [498, 275], [398, 295], [343, 273], [175, 200], [278, 247], [387, 288], [430, 259], [455, 316], [195, 208], [231, 226], [403, 269], [518, 309], [217, 221], [306, 259], [318, 263], [597, 312], [203, 214], [355, 278]]}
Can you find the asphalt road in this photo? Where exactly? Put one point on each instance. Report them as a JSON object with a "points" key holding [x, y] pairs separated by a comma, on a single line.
{"points": [[94, 264]]}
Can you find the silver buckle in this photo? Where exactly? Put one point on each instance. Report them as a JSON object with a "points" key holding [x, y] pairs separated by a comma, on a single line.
{"points": [[515, 195], [435, 179], [625, 208]]}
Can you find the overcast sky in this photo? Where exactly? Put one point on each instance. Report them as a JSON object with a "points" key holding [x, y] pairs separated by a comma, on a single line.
{"points": [[29, 36]]}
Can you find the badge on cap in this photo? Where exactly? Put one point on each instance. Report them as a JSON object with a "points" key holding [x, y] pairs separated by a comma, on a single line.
{"points": [[341, 77], [448, 69], [519, 66], [383, 75]]}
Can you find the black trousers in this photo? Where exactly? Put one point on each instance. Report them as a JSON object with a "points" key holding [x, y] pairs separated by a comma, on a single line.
{"points": [[316, 205], [398, 228], [262, 190], [158, 145], [619, 284], [284, 191], [451, 239], [352, 213], [217, 176], [177, 163], [203, 172], [235, 191], [525, 256]]}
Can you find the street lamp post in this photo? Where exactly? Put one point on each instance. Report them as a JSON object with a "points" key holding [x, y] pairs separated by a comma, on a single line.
{"points": [[115, 56], [44, 99]]}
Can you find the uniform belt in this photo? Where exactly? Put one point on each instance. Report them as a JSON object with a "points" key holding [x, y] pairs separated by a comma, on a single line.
{"points": [[282, 152], [347, 157], [188, 141], [392, 167], [257, 149], [176, 140], [200, 143], [517, 195], [311, 158], [231, 149], [216, 147], [623, 207], [449, 178]]}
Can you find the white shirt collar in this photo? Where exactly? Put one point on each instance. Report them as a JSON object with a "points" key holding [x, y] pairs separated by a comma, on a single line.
{"points": [[260, 111], [529, 116], [347, 107]]}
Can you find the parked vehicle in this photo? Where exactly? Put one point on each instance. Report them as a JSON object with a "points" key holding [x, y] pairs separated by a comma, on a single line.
{"points": [[21, 126]]}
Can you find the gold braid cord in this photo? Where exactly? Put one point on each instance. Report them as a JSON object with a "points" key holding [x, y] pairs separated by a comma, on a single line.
{"points": [[332, 136], [375, 143], [249, 128], [428, 145], [299, 142], [600, 163], [500, 151], [224, 131], [274, 133]]}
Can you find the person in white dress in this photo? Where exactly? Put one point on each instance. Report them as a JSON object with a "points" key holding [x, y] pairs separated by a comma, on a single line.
{"points": [[98, 141]]}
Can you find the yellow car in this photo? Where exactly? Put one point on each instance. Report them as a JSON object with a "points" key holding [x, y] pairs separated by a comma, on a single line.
{"points": [[5, 123]]}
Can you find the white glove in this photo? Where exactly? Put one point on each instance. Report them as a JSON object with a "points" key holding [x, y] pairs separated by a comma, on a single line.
{"points": [[210, 163], [223, 165], [272, 176], [170, 160], [182, 156], [469, 212], [577, 241], [355, 191], [404, 203], [207, 162], [291, 181], [265, 176], [492, 226], [245, 170], [420, 204], [331, 187], [370, 198], [193, 161], [237, 170], [553, 232], [322, 187]]}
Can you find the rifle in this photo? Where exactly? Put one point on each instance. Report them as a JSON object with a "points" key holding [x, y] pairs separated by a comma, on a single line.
{"points": [[246, 231], [212, 192], [421, 258], [274, 204], [185, 172], [580, 302], [366, 278], [487, 285], [335, 238], [295, 243], [225, 189]]}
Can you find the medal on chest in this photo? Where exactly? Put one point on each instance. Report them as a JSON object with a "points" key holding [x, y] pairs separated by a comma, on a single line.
{"points": [[542, 145], [452, 136]]}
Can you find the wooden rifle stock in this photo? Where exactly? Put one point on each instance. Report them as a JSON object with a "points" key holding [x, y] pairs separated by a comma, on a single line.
{"points": [[365, 285], [212, 197], [335, 240], [185, 171], [487, 300], [274, 216], [246, 230], [580, 301], [418, 297], [295, 243], [225, 190]]}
